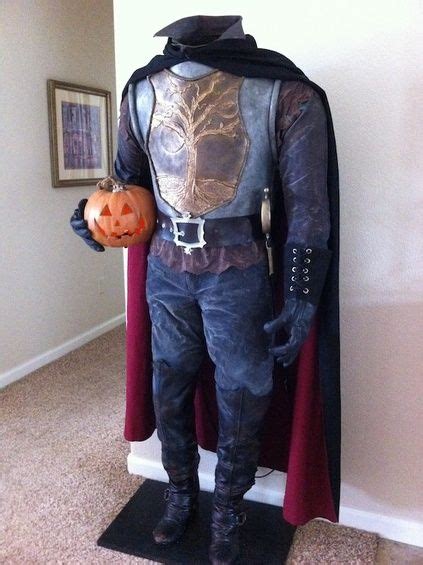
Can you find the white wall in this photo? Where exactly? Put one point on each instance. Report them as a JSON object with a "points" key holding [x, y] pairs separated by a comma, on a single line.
{"points": [[49, 278], [365, 55]]}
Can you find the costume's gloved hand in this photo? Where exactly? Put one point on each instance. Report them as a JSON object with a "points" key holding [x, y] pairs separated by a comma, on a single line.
{"points": [[296, 319], [80, 226], [305, 271]]}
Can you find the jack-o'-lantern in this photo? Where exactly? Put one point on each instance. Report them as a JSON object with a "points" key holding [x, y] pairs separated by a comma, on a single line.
{"points": [[120, 215]]}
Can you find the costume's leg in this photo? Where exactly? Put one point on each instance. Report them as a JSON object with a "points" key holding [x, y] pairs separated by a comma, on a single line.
{"points": [[241, 415], [178, 349], [235, 305]]}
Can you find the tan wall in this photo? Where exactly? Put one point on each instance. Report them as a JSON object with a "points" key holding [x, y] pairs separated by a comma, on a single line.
{"points": [[365, 55], [49, 289]]}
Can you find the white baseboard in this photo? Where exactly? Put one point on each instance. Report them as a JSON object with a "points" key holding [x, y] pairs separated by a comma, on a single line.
{"points": [[389, 527], [397, 529], [35, 363]]}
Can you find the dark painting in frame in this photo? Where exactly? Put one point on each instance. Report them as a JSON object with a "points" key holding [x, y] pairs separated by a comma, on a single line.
{"points": [[80, 133]]}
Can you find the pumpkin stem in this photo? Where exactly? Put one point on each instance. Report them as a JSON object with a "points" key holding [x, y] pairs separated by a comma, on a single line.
{"points": [[111, 185]]}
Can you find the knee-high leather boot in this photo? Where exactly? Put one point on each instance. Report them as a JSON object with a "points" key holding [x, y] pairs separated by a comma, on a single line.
{"points": [[173, 397], [241, 414]]}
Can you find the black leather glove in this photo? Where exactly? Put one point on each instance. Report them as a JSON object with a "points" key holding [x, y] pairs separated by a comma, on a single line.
{"points": [[80, 226], [305, 271]]}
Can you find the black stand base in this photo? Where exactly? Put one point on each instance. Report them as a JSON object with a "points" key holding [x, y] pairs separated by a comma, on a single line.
{"points": [[265, 537]]}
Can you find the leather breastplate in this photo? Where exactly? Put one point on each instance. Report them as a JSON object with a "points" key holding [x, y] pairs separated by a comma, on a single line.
{"points": [[210, 139]]}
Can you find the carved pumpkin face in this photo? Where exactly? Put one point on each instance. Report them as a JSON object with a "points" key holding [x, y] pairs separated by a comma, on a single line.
{"points": [[121, 217]]}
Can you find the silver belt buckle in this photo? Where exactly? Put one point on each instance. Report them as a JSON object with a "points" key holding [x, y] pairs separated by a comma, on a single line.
{"points": [[186, 219]]}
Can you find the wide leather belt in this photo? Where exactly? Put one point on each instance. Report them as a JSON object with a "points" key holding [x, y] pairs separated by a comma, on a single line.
{"points": [[197, 232]]}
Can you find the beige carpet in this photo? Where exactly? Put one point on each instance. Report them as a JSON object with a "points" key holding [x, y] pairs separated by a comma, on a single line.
{"points": [[319, 541], [63, 468]]}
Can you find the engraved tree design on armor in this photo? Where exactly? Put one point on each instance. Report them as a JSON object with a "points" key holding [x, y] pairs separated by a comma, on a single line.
{"points": [[197, 140]]}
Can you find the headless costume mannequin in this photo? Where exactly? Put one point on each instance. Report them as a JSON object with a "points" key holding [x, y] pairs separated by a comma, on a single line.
{"points": [[208, 143]]}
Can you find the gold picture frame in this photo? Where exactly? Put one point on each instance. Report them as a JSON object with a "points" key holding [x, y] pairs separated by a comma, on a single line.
{"points": [[80, 126]]}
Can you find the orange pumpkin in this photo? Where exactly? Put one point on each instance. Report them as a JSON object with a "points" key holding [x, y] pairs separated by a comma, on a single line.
{"points": [[120, 215]]}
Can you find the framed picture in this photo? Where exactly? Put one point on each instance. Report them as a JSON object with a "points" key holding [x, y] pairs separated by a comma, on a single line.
{"points": [[80, 133]]}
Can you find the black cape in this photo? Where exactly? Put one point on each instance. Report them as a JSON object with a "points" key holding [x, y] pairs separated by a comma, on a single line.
{"points": [[242, 57]]}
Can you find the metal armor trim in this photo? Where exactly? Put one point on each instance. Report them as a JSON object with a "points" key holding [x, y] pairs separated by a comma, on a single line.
{"points": [[258, 104], [197, 140]]}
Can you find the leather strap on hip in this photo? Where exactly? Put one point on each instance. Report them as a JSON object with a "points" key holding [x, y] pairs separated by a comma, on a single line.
{"points": [[239, 230]]}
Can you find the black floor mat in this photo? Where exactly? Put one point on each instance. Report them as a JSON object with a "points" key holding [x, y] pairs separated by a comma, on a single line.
{"points": [[265, 537]]}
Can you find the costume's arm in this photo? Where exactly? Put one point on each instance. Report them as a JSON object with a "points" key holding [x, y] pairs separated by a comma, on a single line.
{"points": [[131, 166], [301, 130], [131, 163]]}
